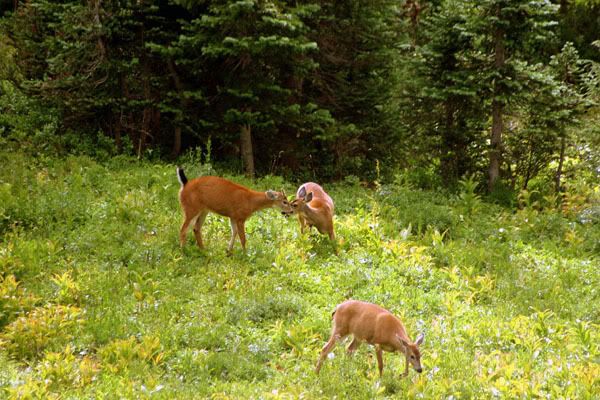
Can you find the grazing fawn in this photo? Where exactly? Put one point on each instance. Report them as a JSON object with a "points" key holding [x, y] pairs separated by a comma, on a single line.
{"points": [[375, 325], [221, 196], [314, 207]]}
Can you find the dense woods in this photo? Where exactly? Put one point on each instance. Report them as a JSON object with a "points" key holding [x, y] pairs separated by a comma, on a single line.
{"points": [[502, 90]]}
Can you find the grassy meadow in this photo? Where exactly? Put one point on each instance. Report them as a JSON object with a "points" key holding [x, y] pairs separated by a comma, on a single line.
{"points": [[97, 299]]}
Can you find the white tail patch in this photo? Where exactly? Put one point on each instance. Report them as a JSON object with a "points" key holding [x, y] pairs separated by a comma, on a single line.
{"points": [[181, 176]]}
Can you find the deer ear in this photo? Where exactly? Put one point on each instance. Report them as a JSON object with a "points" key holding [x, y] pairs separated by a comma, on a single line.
{"points": [[271, 195], [308, 197], [420, 339], [302, 192]]}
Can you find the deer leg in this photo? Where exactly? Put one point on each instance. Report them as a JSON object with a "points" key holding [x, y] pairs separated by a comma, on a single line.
{"points": [[326, 350], [233, 235], [331, 233], [198, 228], [353, 346], [241, 230], [405, 373], [184, 228], [379, 353], [302, 223]]}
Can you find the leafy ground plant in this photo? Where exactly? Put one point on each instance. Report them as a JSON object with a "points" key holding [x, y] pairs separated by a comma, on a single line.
{"points": [[99, 300]]}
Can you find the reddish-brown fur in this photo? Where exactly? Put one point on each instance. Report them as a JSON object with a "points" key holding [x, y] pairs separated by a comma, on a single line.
{"points": [[221, 196], [314, 207], [375, 325]]}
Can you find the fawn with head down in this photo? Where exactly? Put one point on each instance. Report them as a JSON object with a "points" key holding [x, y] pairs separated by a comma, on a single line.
{"points": [[314, 207], [375, 325], [221, 196]]}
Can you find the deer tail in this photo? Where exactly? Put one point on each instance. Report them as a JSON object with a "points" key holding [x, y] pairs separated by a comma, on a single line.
{"points": [[181, 176]]}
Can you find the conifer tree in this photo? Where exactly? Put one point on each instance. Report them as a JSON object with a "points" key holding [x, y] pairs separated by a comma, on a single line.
{"points": [[255, 55], [510, 31]]}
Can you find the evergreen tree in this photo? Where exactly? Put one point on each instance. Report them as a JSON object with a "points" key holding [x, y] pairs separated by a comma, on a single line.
{"points": [[510, 32], [355, 80], [256, 55], [556, 97], [322, 89], [91, 60], [447, 86]]}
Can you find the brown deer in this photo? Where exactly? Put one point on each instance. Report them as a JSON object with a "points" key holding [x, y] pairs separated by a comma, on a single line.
{"points": [[314, 207], [375, 325], [221, 196]]}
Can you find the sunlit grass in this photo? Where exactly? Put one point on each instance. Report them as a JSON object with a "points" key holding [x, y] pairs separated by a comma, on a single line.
{"points": [[98, 299]]}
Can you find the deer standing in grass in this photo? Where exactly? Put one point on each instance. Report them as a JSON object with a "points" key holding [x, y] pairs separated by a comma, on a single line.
{"points": [[314, 207], [221, 196], [375, 325]]}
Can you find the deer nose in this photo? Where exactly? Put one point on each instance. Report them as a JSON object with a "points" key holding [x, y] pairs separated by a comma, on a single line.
{"points": [[419, 370]]}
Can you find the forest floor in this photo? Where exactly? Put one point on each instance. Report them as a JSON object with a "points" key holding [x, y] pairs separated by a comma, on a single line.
{"points": [[97, 299]]}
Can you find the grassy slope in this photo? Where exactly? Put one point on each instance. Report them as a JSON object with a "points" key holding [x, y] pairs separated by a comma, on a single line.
{"points": [[105, 302]]}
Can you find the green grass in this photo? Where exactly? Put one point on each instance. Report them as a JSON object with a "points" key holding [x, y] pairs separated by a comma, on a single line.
{"points": [[97, 300]]}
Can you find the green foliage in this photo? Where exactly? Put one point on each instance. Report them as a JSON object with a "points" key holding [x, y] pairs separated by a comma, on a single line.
{"points": [[98, 298], [399, 201], [43, 327], [30, 180], [468, 199], [13, 299], [121, 354], [55, 371], [25, 123], [472, 57], [261, 310], [318, 89], [68, 290], [446, 86]]}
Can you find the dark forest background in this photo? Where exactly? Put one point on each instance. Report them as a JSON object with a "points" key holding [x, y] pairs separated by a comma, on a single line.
{"points": [[504, 92]]}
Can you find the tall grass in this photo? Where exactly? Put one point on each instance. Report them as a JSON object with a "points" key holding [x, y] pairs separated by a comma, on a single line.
{"points": [[98, 300]]}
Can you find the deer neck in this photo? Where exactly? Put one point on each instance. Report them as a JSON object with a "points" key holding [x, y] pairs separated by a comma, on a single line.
{"points": [[308, 211], [260, 201], [402, 348]]}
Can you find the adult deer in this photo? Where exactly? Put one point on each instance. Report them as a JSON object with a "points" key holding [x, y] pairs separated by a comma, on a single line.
{"points": [[221, 196], [375, 325]]}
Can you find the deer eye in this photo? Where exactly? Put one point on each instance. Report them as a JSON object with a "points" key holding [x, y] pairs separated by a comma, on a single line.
{"points": [[412, 357]]}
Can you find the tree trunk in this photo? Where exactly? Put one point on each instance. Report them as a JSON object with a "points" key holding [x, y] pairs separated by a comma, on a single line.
{"points": [[495, 153], [448, 156], [122, 121], [148, 112], [513, 177], [495, 144], [529, 166], [184, 103], [118, 140], [558, 177], [286, 152], [101, 46], [246, 149], [176, 142], [413, 9], [145, 130], [564, 7]]}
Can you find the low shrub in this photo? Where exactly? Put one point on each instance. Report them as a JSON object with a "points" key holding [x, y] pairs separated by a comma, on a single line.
{"points": [[13, 300], [48, 327], [122, 354]]}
